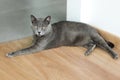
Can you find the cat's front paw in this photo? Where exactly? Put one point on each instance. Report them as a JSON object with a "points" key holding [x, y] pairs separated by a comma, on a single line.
{"points": [[10, 54]]}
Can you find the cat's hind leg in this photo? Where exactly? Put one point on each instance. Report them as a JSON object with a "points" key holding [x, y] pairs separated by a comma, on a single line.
{"points": [[100, 42], [90, 47]]}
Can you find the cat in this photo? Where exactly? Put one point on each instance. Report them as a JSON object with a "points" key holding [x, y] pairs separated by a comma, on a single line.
{"points": [[64, 33]]}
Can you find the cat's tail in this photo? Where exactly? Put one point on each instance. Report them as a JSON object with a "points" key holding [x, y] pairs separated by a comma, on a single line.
{"points": [[110, 44]]}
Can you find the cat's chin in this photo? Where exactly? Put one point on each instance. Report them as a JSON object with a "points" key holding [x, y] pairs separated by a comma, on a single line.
{"points": [[40, 35]]}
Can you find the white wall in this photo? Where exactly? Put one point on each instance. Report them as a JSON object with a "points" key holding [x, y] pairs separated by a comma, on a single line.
{"points": [[104, 14], [73, 10]]}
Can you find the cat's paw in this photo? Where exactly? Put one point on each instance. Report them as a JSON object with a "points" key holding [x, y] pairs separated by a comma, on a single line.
{"points": [[116, 56], [87, 53], [10, 54]]}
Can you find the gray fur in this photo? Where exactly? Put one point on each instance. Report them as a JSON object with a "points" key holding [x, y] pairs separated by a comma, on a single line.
{"points": [[63, 33]]}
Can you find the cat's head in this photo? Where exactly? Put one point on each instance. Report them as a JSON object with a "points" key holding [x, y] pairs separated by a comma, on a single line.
{"points": [[41, 26]]}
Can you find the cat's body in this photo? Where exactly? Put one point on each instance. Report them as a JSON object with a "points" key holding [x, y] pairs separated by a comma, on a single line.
{"points": [[64, 33]]}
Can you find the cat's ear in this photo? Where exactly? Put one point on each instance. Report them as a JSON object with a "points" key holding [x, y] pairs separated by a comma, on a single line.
{"points": [[33, 19], [47, 19]]}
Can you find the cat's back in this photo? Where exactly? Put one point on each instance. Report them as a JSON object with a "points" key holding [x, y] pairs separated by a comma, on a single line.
{"points": [[71, 25]]}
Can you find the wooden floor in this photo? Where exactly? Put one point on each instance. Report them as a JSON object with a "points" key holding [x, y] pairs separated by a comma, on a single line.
{"points": [[64, 63]]}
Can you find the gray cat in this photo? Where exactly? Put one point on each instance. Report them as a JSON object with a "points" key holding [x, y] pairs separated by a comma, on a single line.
{"points": [[64, 33]]}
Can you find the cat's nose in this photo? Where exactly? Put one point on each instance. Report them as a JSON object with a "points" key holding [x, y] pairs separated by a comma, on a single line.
{"points": [[39, 32]]}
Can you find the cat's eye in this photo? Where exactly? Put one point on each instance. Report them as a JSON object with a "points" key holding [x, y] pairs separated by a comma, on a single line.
{"points": [[35, 26], [43, 28]]}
